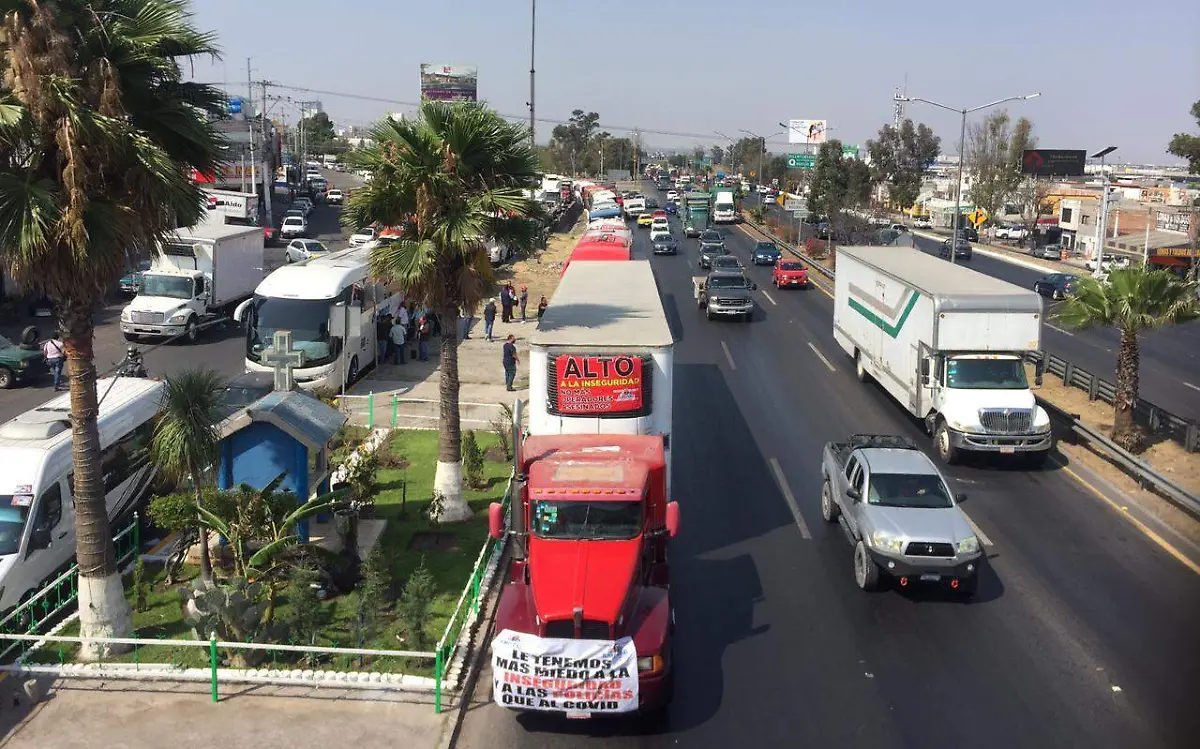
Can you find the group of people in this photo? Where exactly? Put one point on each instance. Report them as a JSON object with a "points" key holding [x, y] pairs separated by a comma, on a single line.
{"points": [[510, 298], [406, 326]]}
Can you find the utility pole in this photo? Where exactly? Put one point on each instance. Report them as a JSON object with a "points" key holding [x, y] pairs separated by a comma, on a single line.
{"points": [[1102, 219], [532, 73], [250, 121], [637, 153], [268, 179]]}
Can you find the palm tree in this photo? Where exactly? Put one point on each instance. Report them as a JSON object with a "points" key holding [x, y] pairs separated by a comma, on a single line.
{"points": [[186, 442], [457, 174], [1133, 300], [98, 137]]}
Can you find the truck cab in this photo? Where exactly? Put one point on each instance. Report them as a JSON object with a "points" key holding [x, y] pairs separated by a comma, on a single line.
{"points": [[590, 523]]}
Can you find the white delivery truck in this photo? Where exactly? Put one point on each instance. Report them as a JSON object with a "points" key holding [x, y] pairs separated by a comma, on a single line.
{"points": [[199, 276], [725, 207], [602, 358], [949, 343]]}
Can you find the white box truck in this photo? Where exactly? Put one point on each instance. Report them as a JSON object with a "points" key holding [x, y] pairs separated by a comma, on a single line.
{"points": [[200, 275], [602, 358], [949, 343], [725, 207]]}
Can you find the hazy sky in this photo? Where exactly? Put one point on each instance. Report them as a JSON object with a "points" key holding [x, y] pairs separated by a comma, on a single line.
{"points": [[1110, 72]]}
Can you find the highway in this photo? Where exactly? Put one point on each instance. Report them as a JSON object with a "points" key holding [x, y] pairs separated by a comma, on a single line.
{"points": [[1082, 633], [221, 349], [1170, 358]]}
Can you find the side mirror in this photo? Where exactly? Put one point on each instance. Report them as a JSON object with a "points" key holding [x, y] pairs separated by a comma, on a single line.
{"points": [[240, 312], [924, 371], [672, 519], [960, 497], [39, 539], [754, 287], [854, 494], [496, 520]]}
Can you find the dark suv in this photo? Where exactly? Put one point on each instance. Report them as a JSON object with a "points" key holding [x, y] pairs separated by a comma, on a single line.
{"points": [[962, 250]]}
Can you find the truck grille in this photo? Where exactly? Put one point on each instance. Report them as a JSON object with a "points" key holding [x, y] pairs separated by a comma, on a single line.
{"points": [[1006, 420], [589, 629], [726, 302], [928, 549], [147, 317]]}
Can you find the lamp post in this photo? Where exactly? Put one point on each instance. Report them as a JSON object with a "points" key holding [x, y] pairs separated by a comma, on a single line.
{"points": [[762, 148], [532, 41], [732, 164], [1102, 219], [962, 149]]}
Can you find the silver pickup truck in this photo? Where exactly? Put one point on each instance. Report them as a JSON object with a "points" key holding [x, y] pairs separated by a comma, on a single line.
{"points": [[725, 294], [899, 514]]}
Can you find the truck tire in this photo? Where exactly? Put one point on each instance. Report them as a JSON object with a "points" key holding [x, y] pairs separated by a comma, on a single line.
{"points": [[866, 572], [7, 380], [829, 508], [352, 373], [860, 371], [191, 333], [946, 451]]}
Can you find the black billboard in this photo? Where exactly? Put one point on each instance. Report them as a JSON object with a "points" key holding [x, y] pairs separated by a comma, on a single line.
{"points": [[1044, 162]]}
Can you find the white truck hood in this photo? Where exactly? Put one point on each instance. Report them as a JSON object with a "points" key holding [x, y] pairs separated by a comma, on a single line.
{"points": [[961, 406], [163, 304]]}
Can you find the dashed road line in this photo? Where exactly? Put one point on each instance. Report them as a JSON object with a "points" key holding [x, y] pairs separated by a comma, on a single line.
{"points": [[1190, 385], [769, 299], [791, 499], [1060, 330], [821, 356], [728, 355]]}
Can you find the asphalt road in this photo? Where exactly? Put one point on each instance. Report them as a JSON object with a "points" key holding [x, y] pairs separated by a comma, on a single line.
{"points": [[1081, 635], [222, 349], [1170, 357]]}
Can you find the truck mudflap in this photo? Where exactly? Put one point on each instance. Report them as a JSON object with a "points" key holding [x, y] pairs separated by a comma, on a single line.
{"points": [[576, 678]]}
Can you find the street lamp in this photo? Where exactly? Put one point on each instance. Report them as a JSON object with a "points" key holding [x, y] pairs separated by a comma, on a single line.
{"points": [[962, 148], [762, 150], [732, 165], [1102, 219]]}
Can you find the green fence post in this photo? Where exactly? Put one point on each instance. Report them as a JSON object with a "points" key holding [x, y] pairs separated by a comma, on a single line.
{"points": [[437, 681], [395, 408], [371, 410], [212, 659]]}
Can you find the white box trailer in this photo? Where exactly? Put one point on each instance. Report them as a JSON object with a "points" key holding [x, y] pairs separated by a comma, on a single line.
{"points": [[602, 358], [949, 343]]}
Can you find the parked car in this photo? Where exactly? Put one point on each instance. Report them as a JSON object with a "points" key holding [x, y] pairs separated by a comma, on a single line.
{"points": [[765, 253], [1012, 231], [131, 282], [1108, 262], [666, 244], [293, 226], [1047, 252], [1056, 285], [21, 363], [303, 249], [962, 250], [923, 222], [788, 273]]}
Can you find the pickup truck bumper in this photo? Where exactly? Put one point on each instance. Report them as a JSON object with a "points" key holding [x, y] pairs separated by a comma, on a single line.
{"points": [[905, 566], [1002, 443], [728, 309]]}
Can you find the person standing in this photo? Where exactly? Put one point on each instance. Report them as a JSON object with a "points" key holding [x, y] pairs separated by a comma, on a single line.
{"points": [[506, 303], [510, 362], [524, 301], [55, 352], [424, 329], [542, 305], [383, 328], [489, 318], [398, 333]]}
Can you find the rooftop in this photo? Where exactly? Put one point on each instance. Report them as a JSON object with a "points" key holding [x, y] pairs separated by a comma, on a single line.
{"points": [[895, 460], [605, 303], [932, 275]]}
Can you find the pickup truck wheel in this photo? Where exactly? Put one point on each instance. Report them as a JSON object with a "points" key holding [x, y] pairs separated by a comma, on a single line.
{"points": [[829, 508], [946, 450], [860, 371], [6, 378], [191, 333], [866, 572]]}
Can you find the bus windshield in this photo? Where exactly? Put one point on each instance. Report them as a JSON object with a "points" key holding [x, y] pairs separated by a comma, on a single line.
{"points": [[12, 524], [307, 319]]}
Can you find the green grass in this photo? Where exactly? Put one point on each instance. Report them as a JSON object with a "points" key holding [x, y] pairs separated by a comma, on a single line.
{"points": [[450, 564]]}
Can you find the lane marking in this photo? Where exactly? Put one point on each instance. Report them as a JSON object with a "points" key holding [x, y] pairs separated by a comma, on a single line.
{"points": [[772, 301], [728, 355], [1190, 385], [821, 356], [1060, 330], [978, 531], [791, 499]]}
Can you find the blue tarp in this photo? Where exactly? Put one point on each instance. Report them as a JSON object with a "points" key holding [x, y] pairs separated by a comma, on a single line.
{"points": [[604, 213]]}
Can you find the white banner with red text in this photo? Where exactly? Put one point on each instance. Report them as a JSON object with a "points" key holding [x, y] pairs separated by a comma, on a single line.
{"points": [[571, 676]]}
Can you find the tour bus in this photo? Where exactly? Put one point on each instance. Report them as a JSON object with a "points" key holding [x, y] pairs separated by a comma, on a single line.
{"points": [[330, 306], [37, 523]]}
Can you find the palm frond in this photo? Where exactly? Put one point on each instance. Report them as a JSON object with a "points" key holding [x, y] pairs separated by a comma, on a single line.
{"points": [[1134, 299], [186, 440]]}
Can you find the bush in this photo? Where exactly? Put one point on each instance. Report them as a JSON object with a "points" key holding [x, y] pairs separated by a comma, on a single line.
{"points": [[361, 477], [305, 614], [415, 604], [472, 459], [140, 586], [502, 425], [374, 591]]}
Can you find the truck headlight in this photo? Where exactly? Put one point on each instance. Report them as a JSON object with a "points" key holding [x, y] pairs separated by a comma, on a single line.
{"points": [[885, 541], [1041, 420], [650, 664], [969, 545], [179, 317]]}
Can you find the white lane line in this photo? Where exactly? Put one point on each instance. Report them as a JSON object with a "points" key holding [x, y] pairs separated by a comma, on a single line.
{"points": [[978, 532], [769, 299], [791, 499], [821, 356], [1060, 330], [728, 355], [1190, 385]]}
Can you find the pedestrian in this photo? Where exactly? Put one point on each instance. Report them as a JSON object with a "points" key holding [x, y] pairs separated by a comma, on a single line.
{"points": [[398, 333], [383, 328], [542, 305], [55, 352], [524, 301], [510, 362], [424, 328], [506, 303], [489, 318]]}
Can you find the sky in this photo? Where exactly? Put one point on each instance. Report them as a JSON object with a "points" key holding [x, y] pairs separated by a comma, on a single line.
{"points": [[1109, 72]]}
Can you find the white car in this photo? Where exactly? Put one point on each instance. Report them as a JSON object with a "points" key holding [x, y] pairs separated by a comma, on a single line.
{"points": [[334, 196], [923, 223], [292, 227], [673, 196], [658, 230], [304, 204], [1012, 231], [362, 236], [303, 249], [1108, 262]]}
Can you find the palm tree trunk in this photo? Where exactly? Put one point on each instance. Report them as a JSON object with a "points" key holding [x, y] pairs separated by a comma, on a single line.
{"points": [[447, 479], [205, 559], [103, 608], [1125, 432]]}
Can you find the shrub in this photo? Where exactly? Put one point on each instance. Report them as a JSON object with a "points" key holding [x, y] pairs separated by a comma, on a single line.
{"points": [[502, 426], [374, 590], [472, 458], [140, 585], [306, 614], [415, 603], [437, 505]]}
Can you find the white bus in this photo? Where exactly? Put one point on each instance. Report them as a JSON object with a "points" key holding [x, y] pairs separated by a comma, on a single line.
{"points": [[37, 523], [330, 306]]}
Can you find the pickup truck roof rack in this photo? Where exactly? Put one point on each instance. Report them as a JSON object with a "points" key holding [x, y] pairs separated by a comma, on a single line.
{"points": [[892, 441]]}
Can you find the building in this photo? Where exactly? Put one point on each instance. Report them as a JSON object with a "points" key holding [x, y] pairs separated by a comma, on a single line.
{"points": [[310, 108]]}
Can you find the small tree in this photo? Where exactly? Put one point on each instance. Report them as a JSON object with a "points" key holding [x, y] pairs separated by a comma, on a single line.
{"points": [[375, 590], [140, 593], [502, 426], [306, 614], [472, 460], [415, 604]]}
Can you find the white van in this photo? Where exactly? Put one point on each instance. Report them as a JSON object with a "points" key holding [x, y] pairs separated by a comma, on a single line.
{"points": [[37, 524]]}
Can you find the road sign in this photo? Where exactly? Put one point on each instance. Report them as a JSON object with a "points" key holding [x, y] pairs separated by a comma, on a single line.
{"points": [[977, 217], [801, 215], [795, 204], [801, 161], [849, 151], [1043, 162]]}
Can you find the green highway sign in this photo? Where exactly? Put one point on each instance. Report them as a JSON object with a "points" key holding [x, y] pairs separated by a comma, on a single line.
{"points": [[801, 161], [850, 151]]}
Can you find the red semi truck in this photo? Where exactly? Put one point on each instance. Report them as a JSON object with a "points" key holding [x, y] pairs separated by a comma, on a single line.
{"points": [[585, 623]]}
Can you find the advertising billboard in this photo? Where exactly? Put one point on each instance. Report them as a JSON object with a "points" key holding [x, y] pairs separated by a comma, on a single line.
{"points": [[598, 385], [1045, 162], [449, 82], [807, 131]]}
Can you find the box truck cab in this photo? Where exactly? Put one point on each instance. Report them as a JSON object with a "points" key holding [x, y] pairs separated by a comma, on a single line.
{"points": [[949, 344]]}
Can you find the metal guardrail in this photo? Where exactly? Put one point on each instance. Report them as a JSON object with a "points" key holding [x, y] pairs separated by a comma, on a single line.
{"points": [[1157, 419]]}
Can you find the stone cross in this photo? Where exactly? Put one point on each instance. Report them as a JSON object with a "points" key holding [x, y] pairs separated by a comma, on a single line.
{"points": [[284, 359]]}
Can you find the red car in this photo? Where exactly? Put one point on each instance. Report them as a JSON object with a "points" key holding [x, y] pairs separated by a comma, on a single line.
{"points": [[660, 213], [789, 273]]}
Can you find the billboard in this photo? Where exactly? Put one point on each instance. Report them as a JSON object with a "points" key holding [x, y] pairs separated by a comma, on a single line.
{"points": [[1045, 162], [598, 385], [449, 82], [807, 131]]}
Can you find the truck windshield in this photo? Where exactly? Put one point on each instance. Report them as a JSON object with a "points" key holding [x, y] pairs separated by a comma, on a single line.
{"points": [[307, 319], [986, 374], [904, 490], [174, 287], [727, 283], [12, 525], [596, 521]]}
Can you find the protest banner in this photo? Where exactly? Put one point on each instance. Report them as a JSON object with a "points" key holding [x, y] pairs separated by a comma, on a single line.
{"points": [[576, 677]]}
